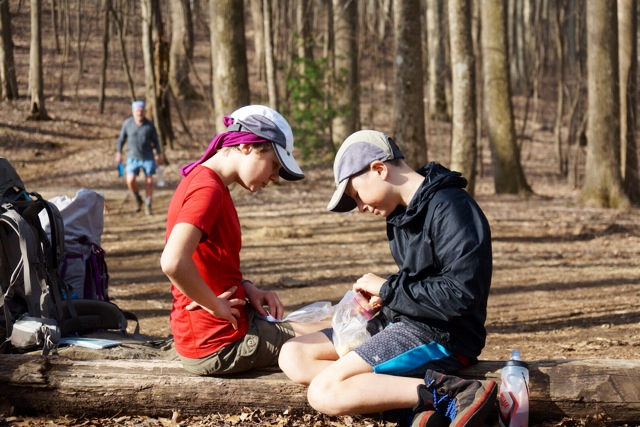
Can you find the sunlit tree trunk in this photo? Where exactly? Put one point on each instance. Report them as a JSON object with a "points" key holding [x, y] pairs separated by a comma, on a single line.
{"points": [[8, 81], [345, 70], [508, 174], [269, 54], [437, 74], [603, 185], [409, 76], [181, 50], [627, 45], [256, 8], [463, 126], [37, 110], [228, 52], [106, 10]]}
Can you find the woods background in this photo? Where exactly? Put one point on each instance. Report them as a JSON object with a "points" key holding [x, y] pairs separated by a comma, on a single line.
{"points": [[335, 66]]}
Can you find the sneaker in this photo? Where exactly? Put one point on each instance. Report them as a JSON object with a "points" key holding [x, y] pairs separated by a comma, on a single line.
{"points": [[463, 403], [138, 202], [147, 209]]}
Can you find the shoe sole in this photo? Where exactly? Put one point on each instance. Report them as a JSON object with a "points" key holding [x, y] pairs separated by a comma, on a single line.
{"points": [[477, 413]]}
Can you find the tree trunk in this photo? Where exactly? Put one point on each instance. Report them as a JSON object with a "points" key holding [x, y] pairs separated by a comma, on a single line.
{"points": [[123, 52], [37, 110], [181, 50], [8, 81], [409, 114], [61, 386], [463, 126], [560, 154], [228, 52], [435, 40], [258, 19], [106, 10], [627, 45], [151, 107], [603, 185], [269, 55], [346, 95], [508, 174]]}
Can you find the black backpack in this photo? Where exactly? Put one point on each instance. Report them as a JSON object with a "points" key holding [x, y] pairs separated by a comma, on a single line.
{"points": [[36, 308]]}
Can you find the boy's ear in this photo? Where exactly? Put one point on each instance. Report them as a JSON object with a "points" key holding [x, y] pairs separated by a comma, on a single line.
{"points": [[379, 168], [245, 148]]}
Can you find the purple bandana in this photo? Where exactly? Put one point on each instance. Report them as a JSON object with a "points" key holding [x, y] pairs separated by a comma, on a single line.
{"points": [[225, 139]]}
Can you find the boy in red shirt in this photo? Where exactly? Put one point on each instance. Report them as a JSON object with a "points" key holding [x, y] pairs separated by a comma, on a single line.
{"points": [[215, 330]]}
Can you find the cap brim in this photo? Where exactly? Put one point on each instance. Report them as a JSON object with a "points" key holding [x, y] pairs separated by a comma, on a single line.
{"points": [[340, 202], [290, 169]]}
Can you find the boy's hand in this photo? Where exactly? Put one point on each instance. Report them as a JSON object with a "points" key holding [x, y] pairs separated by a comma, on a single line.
{"points": [[259, 299], [225, 308], [369, 285]]}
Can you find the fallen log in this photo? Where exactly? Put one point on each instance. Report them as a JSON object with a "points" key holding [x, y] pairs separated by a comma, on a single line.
{"points": [[62, 386]]}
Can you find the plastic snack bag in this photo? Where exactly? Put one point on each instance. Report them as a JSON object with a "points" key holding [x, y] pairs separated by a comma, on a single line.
{"points": [[349, 322], [314, 312]]}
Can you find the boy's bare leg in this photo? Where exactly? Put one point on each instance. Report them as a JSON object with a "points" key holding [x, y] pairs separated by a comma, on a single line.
{"points": [[304, 328], [346, 385], [349, 386]]}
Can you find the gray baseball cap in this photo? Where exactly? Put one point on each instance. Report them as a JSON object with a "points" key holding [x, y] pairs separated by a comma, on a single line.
{"points": [[269, 124], [355, 155]]}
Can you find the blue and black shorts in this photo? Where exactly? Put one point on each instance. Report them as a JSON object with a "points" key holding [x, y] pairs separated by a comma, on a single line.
{"points": [[404, 350]]}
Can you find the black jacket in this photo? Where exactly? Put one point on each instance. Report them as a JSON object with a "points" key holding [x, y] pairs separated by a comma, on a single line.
{"points": [[441, 243]]}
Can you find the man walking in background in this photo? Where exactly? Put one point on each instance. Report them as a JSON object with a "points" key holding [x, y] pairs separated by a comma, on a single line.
{"points": [[142, 137]]}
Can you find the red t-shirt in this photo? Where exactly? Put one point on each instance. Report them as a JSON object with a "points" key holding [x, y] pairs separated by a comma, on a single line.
{"points": [[202, 200]]}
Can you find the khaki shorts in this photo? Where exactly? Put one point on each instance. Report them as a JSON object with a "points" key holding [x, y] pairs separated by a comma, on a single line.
{"points": [[259, 348]]}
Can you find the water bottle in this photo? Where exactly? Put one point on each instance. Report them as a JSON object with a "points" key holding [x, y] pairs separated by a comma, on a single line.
{"points": [[514, 392], [161, 182], [120, 170]]}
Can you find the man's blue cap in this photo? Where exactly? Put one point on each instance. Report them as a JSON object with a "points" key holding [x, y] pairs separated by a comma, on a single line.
{"points": [[137, 105]]}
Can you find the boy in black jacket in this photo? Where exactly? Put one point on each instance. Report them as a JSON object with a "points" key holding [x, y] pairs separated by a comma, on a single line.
{"points": [[431, 311]]}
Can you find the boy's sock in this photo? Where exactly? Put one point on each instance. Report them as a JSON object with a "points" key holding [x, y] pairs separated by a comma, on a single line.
{"points": [[147, 206]]}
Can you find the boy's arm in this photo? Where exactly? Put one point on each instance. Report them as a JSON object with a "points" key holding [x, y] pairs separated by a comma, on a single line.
{"points": [[456, 288], [177, 263]]}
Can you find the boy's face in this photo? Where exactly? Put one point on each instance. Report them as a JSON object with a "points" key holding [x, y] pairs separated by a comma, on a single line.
{"points": [[371, 193], [258, 168]]}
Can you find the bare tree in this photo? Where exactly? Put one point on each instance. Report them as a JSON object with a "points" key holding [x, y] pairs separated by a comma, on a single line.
{"points": [[181, 50], [463, 126], [259, 49], [123, 51], [508, 174], [437, 74], [106, 10], [627, 45], [409, 76], [269, 54], [37, 110], [228, 52], [603, 185], [345, 69], [8, 81]]}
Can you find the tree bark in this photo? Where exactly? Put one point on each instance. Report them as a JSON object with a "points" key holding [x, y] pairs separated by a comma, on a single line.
{"points": [[181, 50], [106, 10], [463, 126], [258, 19], [228, 52], [409, 112], [346, 95], [603, 185], [508, 174], [436, 68], [60, 386], [8, 81], [269, 54], [37, 110], [627, 45]]}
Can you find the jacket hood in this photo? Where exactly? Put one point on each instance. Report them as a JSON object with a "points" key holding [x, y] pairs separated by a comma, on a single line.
{"points": [[436, 177]]}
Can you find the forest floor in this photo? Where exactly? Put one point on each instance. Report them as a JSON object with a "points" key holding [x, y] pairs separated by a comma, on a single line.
{"points": [[565, 282], [566, 277]]}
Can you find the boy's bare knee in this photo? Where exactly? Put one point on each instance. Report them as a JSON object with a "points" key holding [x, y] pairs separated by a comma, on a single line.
{"points": [[290, 363], [324, 397]]}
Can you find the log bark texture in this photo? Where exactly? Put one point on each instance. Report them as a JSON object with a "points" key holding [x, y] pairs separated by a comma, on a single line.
{"points": [[62, 386]]}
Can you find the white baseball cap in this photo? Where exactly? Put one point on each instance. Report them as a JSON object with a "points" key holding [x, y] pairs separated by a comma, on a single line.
{"points": [[269, 124]]}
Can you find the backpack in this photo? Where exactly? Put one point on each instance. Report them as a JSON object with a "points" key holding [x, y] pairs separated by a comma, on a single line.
{"points": [[35, 305], [84, 268]]}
